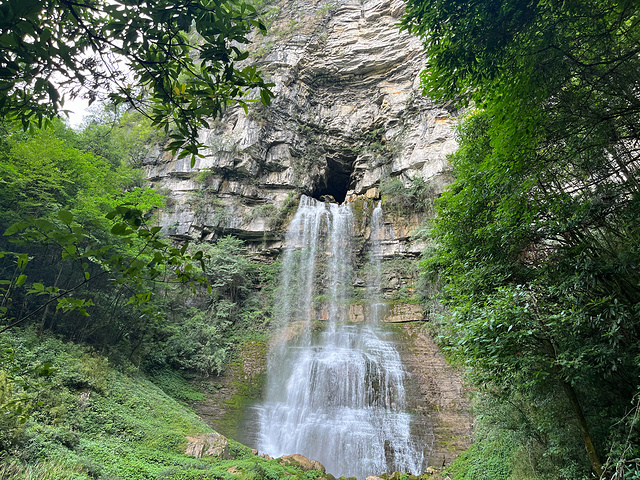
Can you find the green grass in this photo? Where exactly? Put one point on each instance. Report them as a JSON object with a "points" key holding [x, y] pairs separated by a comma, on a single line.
{"points": [[89, 420], [488, 458], [174, 384], [48, 470]]}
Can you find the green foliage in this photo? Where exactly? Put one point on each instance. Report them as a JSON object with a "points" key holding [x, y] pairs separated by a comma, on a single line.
{"points": [[87, 412], [228, 268], [42, 470], [398, 198], [487, 459], [15, 408], [197, 343], [80, 255], [502, 52], [326, 9], [174, 384], [374, 141], [289, 206], [153, 259], [122, 137], [534, 296], [537, 239], [119, 264], [179, 73], [46, 173], [268, 211], [201, 338], [49, 170]]}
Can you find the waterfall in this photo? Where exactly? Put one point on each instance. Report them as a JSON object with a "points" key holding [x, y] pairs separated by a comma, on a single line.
{"points": [[335, 390], [376, 306]]}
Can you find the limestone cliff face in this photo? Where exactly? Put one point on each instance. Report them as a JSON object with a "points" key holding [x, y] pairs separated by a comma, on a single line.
{"points": [[347, 113]]}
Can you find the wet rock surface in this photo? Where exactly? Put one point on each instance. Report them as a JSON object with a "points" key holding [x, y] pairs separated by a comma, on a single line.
{"points": [[442, 390], [229, 395]]}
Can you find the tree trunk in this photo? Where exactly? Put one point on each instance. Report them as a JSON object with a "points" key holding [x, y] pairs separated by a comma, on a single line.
{"points": [[596, 464], [594, 460], [43, 322]]}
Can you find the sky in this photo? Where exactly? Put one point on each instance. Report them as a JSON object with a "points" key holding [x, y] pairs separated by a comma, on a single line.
{"points": [[78, 107]]}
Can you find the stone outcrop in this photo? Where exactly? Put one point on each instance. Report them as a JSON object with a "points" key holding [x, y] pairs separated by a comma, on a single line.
{"points": [[442, 389], [209, 444], [400, 313], [403, 313], [347, 113], [228, 395], [301, 461]]}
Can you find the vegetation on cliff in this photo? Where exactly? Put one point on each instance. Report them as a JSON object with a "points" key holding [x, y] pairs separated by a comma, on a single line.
{"points": [[536, 243]]}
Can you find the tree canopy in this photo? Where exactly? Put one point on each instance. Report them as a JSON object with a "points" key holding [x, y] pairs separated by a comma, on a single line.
{"points": [[537, 240], [178, 62]]}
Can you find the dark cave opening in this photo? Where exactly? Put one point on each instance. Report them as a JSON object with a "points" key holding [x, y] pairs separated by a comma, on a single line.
{"points": [[337, 179]]}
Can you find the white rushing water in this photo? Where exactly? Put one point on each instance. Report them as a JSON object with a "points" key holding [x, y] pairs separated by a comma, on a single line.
{"points": [[335, 390]]}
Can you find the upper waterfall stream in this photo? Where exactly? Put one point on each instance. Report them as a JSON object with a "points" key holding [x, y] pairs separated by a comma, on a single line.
{"points": [[336, 389]]}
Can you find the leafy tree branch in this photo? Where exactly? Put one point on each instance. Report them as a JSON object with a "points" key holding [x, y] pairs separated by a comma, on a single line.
{"points": [[176, 62]]}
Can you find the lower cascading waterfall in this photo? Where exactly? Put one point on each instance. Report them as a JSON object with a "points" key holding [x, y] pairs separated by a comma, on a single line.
{"points": [[335, 389]]}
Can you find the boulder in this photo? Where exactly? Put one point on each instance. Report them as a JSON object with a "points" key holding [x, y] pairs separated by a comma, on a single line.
{"points": [[301, 461], [209, 444], [372, 194]]}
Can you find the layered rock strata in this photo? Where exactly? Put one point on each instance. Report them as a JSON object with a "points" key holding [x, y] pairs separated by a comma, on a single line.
{"points": [[442, 388], [347, 113]]}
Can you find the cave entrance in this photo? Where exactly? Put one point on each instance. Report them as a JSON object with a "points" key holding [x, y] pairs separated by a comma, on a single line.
{"points": [[337, 177]]}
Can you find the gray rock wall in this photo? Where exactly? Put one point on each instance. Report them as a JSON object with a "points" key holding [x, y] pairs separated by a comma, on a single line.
{"points": [[347, 113]]}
